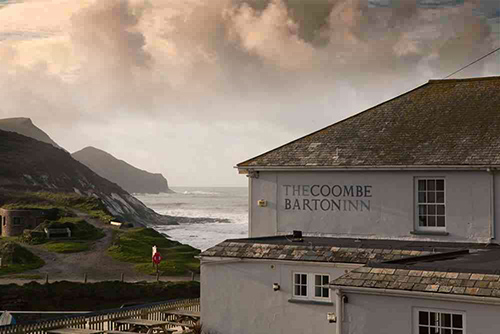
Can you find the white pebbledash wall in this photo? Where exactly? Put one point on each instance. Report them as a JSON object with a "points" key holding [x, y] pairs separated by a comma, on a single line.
{"points": [[376, 314], [389, 195], [238, 298]]}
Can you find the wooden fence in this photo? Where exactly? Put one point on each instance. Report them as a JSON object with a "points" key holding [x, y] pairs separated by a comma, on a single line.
{"points": [[103, 320]]}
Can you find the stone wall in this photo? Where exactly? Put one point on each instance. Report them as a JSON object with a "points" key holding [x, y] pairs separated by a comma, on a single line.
{"points": [[14, 222]]}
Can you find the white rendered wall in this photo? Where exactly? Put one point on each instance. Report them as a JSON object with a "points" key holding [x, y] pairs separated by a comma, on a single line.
{"points": [[385, 207], [370, 314], [238, 298]]}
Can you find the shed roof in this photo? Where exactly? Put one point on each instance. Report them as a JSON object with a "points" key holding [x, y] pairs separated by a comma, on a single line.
{"points": [[441, 123], [473, 273]]}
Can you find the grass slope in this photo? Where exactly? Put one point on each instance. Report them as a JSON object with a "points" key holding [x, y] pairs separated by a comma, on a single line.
{"points": [[17, 259], [135, 246], [57, 201]]}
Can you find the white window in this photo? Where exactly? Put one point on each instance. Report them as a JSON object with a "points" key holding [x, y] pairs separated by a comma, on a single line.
{"points": [[321, 288], [439, 322], [300, 285], [311, 286], [430, 204]]}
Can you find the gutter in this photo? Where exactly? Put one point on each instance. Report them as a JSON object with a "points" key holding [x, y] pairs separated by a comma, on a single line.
{"points": [[224, 260], [492, 204], [419, 294], [245, 169]]}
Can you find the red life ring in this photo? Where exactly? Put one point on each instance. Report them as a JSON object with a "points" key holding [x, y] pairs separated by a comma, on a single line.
{"points": [[157, 258]]}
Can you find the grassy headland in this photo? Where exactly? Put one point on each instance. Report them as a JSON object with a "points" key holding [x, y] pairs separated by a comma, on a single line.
{"points": [[135, 245]]}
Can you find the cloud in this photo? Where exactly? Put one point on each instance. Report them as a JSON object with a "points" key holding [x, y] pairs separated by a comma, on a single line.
{"points": [[231, 59]]}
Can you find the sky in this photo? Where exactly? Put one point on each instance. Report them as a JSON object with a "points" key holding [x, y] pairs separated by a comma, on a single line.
{"points": [[190, 88]]}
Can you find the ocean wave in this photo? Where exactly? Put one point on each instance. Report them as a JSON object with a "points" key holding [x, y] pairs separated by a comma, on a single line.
{"points": [[200, 192]]}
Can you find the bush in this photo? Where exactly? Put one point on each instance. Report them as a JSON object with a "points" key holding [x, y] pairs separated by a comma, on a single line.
{"points": [[33, 237]]}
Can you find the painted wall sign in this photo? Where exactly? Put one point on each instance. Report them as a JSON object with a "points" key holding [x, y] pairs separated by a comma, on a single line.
{"points": [[325, 197]]}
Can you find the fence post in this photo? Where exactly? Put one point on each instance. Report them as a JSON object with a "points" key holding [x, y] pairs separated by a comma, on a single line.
{"points": [[85, 278], [123, 277], [46, 278]]}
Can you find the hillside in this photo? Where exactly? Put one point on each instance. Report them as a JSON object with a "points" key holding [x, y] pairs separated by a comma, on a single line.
{"points": [[25, 127], [28, 164], [128, 177]]}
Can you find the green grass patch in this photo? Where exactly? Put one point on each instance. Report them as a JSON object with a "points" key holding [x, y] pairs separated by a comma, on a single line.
{"points": [[17, 259], [136, 244], [28, 276], [67, 246]]}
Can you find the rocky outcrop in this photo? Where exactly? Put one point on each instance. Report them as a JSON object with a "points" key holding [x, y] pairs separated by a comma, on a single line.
{"points": [[130, 178], [29, 164], [25, 127]]}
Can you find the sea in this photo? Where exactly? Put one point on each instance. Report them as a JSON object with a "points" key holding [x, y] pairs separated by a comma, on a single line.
{"points": [[224, 208]]}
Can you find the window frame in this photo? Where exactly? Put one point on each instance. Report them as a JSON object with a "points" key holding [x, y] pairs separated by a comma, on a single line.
{"points": [[294, 284], [416, 318], [313, 288], [427, 204], [17, 221], [310, 286]]}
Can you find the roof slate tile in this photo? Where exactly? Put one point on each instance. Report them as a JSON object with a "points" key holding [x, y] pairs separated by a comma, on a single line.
{"points": [[406, 131]]}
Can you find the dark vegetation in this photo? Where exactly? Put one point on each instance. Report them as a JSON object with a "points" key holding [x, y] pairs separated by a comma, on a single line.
{"points": [[72, 296], [135, 245], [16, 259]]}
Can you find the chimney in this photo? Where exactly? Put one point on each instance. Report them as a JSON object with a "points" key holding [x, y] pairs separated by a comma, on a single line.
{"points": [[297, 236]]}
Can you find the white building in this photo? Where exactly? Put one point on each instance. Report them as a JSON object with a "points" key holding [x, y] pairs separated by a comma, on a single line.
{"points": [[414, 177]]}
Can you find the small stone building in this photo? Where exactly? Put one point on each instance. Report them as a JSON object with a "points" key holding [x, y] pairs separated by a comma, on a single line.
{"points": [[14, 222]]}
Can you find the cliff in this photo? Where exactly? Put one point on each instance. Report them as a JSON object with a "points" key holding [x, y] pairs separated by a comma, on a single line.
{"points": [[29, 164], [128, 177], [25, 127]]}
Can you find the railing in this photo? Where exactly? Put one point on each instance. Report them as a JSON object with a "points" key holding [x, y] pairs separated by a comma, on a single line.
{"points": [[103, 320]]}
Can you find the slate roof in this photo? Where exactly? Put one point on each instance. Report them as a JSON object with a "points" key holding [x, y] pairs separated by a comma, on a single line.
{"points": [[341, 250], [441, 123], [474, 274]]}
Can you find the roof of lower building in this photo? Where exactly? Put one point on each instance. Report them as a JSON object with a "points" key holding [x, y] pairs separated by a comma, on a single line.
{"points": [[340, 250], [441, 123], [472, 273]]}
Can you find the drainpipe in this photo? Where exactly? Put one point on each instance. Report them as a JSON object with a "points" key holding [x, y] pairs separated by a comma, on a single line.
{"points": [[338, 310], [492, 204]]}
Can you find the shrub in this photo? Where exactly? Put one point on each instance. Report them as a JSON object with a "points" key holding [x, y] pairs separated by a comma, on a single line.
{"points": [[33, 237]]}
